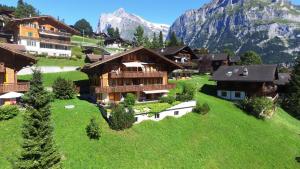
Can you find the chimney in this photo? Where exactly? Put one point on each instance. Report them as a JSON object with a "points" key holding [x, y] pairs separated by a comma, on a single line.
{"points": [[245, 72]]}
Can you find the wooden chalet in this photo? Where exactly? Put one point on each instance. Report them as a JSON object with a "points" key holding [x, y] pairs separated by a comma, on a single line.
{"points": [[116, 42], [42, 35], [239, 82], [140, 71], [5, 17], [211, 62], [91, 58], [11, 61]]}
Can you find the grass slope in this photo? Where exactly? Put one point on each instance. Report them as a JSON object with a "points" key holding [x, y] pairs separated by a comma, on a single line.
{"points": [[49, 78], [43, 61], [224, 138]]}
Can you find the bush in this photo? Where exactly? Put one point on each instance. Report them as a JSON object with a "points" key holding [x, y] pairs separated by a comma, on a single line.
{"points": [[93, 130], [8, 112], [187, 93], [121, 118], [63, 89], [129, 100], [260, 107], [201, 109], [167, 99]]}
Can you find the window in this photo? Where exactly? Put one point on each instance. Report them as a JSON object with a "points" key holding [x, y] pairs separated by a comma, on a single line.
{"points": [[237, 94], [31, 43], [224, 94], [136, 119], [176, 113], [30, 34], [157, 116]]}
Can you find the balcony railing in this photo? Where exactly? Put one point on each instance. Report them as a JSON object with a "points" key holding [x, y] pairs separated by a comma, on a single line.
{"points": [[55, 41], [132, 88], [48, 32], [126, 74], [14, 87]]}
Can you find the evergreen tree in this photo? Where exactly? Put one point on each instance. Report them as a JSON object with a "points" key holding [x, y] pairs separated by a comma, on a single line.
{"points": [[38, 148], [161, 40], [250, 58], [84, 26], [155, 42], [139, 36], [292, 99], [117, 33], [173, 40], [25, 10], [111, 32], [147, 43]]}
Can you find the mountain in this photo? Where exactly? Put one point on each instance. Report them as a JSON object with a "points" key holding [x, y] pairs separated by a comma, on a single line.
{"points": [[127, 24], [269, 27]]}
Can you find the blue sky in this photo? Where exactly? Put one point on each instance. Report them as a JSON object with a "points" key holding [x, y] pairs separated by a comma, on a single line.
{"points": [[159, 11]]}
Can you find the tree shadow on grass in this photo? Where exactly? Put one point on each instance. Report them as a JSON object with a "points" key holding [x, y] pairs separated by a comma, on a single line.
{"points": [[209, 90], [297, 159]]}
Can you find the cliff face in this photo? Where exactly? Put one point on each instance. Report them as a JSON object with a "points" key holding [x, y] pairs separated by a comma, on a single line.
{"points": [[269, 27], [127, 24]]}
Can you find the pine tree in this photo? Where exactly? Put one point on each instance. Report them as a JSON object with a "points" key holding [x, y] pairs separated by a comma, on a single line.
{"points": [[173, 40], [38, 148], [147, 43], [117, 33], [161, 40], [155, 42], [25, 10], [139, 36], [111, 32], [292, 100]]}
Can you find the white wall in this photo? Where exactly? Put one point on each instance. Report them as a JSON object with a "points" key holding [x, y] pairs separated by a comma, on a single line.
{"points": [[50, 52]]}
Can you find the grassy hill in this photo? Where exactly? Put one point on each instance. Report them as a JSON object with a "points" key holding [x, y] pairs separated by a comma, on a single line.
{"points": [[224, 138]]}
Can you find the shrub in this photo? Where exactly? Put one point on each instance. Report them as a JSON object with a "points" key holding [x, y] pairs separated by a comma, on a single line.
{"points": [[93, 130], [167, 99], [187, 93], [121, 118], [201, 109], [129, 100], [260, 107], [8, 112], [63, 89]]}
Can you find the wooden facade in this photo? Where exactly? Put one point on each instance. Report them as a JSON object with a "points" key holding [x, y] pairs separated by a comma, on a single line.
{"points": [[136, 71]]}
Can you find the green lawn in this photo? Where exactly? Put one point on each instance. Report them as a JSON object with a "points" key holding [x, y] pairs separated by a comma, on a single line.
{"points": [[43, 61], [80, 40], [49, 78], [224, 138]]}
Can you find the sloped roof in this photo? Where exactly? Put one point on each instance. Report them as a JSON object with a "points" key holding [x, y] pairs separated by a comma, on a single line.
{"points": [[256, 73], [94, 58], [173, 50], [14, 49], [119, 55], [44, 18], [215, 57]]}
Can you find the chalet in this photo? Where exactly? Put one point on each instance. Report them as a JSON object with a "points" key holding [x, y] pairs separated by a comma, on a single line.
{"points": [[116, 42], [101, 35], [239, 82], [5, 16], [211, 62], [91, 58], [183, 55], [140, 71], [94, 50], [42, 35], [11, 61]]}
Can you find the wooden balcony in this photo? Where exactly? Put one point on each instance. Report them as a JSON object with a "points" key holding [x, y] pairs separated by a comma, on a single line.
{"points": [[136, 74], [14, 87], [55, 41], [49, 33], [133, 88]]}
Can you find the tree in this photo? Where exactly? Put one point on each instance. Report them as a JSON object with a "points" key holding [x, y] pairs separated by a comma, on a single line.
{"points": [[147, 43], [250, 58], [130, 100], [38, 147], [93, 130], [229, 52], [139, 36], [187, 93], [24, 10], [155, 42], [292, 98], [121, 118], [161, 40], [63, 89], [173, 40], [111, 32], [117, 33], [84, 27]]}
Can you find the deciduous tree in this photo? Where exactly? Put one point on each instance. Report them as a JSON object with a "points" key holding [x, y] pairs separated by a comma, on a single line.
{"points": [[84, 27], [250, 58]]}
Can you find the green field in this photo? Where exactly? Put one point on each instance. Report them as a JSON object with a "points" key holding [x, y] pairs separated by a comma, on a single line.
{"points": [[49, 78], [224, 138], [85, 41], [43, 61]]}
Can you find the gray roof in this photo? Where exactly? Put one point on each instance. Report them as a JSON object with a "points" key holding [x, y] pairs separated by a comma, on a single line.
{"points": [[214, 57], [254, 73]]}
